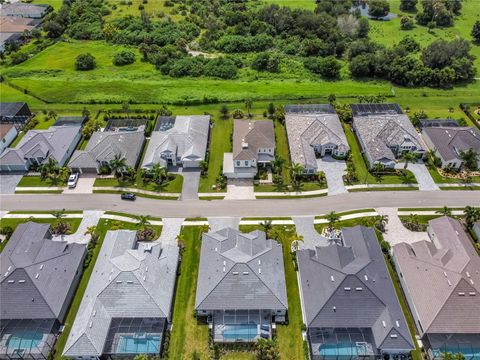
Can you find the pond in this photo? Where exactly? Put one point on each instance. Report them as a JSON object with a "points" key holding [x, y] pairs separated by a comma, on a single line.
{"points": [[363, 9]]}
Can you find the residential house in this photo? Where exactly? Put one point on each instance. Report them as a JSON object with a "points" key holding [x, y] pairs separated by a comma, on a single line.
{"points": [[180, 141], [25, 10], [476, 229], [8, 133], [38, 282], [385, 133], [349, 303], [440, 277], [8, 38], [14, 112], [128, 301], [448, 143], [102, 148], [11, 24], [241, 285], [253, 146], [37, 146], [314, 131]]}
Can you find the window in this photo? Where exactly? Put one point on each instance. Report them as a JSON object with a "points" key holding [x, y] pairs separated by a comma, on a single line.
{"points": [[238, 163], [246, 163]]}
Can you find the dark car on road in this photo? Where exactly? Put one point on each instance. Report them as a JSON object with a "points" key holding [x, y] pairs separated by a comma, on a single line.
{"points": [[128, 196]]}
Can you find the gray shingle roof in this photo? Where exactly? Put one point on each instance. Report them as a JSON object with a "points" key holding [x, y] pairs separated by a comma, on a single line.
{"points": [[37, 273], [21, 9], [312, 124], [240, 271], [51, 143], [129, 280], [187, 139], [104, 145], [380, 131], [349, 286], [437, 273], [10, 109], [451, 141], [249, 136]]}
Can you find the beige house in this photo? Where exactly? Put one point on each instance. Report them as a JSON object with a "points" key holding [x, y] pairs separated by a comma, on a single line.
{"points": [[253, 146]]}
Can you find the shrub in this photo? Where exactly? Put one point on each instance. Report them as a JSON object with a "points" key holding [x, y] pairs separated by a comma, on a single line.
{"points": [[406, 23], [18, 58], [85, 62], [124, 58], [378, 8], [237, 114], [328, 67], [266, 62]]}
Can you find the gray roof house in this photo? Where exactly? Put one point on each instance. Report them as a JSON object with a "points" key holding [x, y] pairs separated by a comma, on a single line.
{"points": [[38, 280], [37, 146], [25, 10], [241, 285], [314, 131], [348, 300], [14, 112], [476, 229], [449, 142], [441, 281], [128, 300], [253, 145], [103, 146], [178, 141], [384, 133]]}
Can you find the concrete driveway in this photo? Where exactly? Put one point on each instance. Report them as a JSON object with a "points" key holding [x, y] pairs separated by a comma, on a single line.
{"points": [[8, 183], [424, 179], [170, 230], [334, 171], [306, 228], [90, 218], [240, 189], [84, 186], [219, 223], [397, 233], [191, 178]]}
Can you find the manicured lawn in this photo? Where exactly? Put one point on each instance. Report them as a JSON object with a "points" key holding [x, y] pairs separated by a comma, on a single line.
{"points": [[300, 4], [220, 143], [172, 186], [187, 335], [239, 356], [305, 186], [348, 213], [289, 336], [129, 215], [13, 223], [36, 181], [102, 227], [148, 196], [282, 150], [447, 180], [363, 176]]}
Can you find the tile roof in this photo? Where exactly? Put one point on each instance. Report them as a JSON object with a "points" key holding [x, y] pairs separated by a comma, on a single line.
{"points": [[249, 136], [442, 278], [451, 141], [52, 143], [11, 24], [380, 131], [104, 145], [187, 139], [129, 280], [37, 273], [348, 286], [23, 9], [308, 125], [240, 271]]}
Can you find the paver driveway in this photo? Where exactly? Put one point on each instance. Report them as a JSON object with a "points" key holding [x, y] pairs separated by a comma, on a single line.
{"points": [[170, 230], [306, 228], [240, 189], [219, 223], [90, 218], [334, 171], [424, 179], [397, 233]]}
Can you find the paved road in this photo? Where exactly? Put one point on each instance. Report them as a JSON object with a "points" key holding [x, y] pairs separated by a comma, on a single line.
{"points": [[242, 208]]}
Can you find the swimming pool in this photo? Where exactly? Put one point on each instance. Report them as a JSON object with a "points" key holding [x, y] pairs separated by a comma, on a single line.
{"points": [[339, 349], [24, 340], [240, 332], [137, 344]]}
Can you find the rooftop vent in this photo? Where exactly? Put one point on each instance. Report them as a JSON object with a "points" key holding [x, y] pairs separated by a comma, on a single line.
{"points": [[347, 288], [259, 271], [90, 324], [449, 283], [129, 282], [397, 323], [334, 309], [394, 336], [11, 281], [472, 293], [41, 267], [94, 313], [366, 278], [445, 273], [119, 281], [244, 145], [9, 268], [358, 289], [461, 294], [332, 279], [384, 323], [468, 274], [37, 275], [245, 273], [235, 273], [21, 281]]}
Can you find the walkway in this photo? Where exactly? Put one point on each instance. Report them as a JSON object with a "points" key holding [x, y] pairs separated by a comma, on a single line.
{"points": [[219, 223], [311, 238], [334, 171], [424, 179], [90, 218], [395, 231], [240, 189]]}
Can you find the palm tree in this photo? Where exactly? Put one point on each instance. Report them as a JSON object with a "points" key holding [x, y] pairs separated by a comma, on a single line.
{"points": [[377, 172], [333, 218], [61, 227], [143, 221], [267, 227], [48, 168], [445, 211], [118, 164], [472, 214], [203, 167], [381, 222], [58, 214], [159, 173], [470, 159], [224, 111], [296, 169], [277, 165], [92, 231], [409, 157]]}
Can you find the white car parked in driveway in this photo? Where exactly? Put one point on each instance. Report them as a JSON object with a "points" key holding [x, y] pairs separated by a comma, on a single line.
{"points": [[72, 180]]}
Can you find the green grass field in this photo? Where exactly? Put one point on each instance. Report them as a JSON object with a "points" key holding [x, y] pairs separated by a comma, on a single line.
{"points": [[172, 186]]}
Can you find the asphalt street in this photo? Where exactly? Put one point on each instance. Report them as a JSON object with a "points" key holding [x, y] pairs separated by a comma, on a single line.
{"points": [[241, 208]]}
